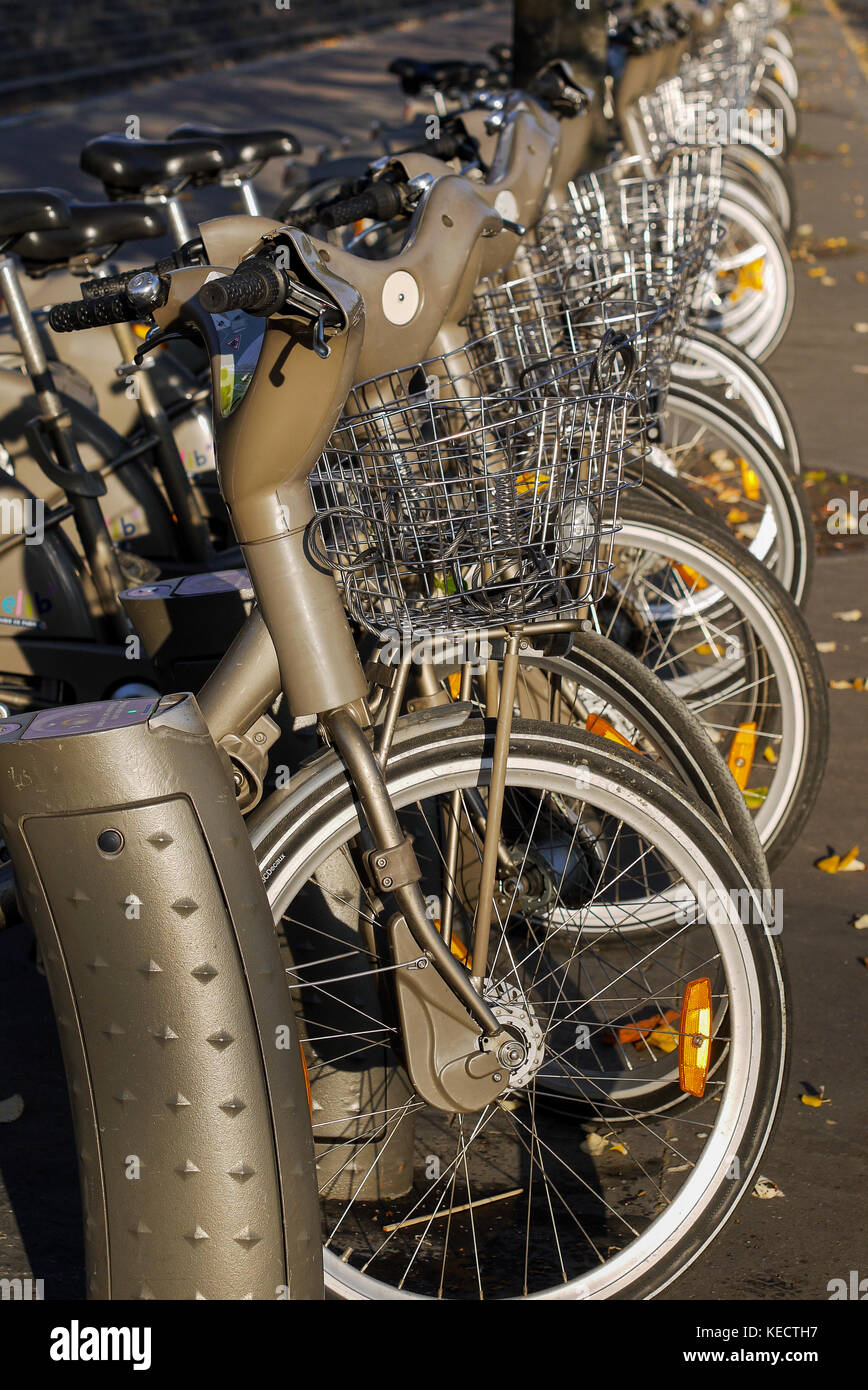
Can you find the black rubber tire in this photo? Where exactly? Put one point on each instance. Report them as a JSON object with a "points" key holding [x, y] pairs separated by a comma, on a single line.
{"points": [[790, 451], [738, 161], [693, 402], [686, 751], [677, 728], [138, 477], [784, 614]]}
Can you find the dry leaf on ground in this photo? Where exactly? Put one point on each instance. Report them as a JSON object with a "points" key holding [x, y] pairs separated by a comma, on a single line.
{"points": [[841, 863], [765, 1189]]}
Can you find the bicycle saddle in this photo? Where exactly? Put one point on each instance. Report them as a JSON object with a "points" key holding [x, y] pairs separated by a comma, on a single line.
{"points": [[30, 210], [416, 75], [91, 226], [242, 146], [135, 166]]}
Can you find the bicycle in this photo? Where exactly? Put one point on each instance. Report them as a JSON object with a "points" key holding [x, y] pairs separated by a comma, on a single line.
{"points": [[318, 834]]}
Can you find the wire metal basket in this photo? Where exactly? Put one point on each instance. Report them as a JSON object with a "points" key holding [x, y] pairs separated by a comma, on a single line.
{"points": [[695, 108], [444, 507], [602, 322], [669, 221]]}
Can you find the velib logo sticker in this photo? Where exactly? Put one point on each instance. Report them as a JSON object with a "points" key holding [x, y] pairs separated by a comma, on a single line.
{"points": [[22, 609], [77, 1343]]}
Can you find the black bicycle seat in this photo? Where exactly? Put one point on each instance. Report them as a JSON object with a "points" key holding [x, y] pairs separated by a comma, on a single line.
{"points": [[451, 73], [136, 166], [31, 210], [242, 146], [91, 226]]}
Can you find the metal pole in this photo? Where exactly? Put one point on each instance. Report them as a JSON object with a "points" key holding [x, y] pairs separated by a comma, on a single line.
{"points": [[544, 30]]}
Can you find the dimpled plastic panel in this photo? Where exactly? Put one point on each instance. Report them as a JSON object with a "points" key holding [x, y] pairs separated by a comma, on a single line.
{"points": [[187, 1088]]}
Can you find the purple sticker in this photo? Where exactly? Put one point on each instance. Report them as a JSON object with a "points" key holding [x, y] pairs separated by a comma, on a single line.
{"points": [[221, 581], [90, 718]]}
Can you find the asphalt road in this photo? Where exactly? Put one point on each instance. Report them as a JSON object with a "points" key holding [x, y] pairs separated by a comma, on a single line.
{"points": [[778, 1250]]}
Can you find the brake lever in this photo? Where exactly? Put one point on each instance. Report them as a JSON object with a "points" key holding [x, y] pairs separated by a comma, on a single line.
{"points": [[320, 346], [155, 338]]}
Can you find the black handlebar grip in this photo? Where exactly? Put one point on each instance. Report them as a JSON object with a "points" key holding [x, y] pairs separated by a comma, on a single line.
{"points": [[381, 201], [445, 147], [113, 308], [107, 285], [256, 289]]}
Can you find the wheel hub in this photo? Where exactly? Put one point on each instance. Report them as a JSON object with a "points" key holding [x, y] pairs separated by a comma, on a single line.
{"points": [[523, 1056]]}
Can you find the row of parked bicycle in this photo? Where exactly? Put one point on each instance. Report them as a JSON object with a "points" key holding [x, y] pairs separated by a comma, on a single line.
{"points": [[457, 492]]}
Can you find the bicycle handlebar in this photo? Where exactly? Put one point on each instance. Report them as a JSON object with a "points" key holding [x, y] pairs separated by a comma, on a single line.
{"points": [[94, 313], [381, 202], [257, 288], [106, 299]]}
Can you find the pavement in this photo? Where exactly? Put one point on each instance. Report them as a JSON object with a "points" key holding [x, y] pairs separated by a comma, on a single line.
{"points": [[778, 1250]]}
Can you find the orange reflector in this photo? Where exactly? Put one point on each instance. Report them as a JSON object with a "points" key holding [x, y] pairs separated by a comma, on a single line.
{"points": [[596, 724], [306, 1080], [458, 948], [750, 483], [691, 577], [454, 683], [694, 1044], [642, 1029], [741, 754]]}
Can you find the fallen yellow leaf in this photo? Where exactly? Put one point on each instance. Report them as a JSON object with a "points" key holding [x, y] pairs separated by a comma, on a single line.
{"points": [[815, 1101], [817, 271], [664, 1039], [754, 797], [848, 858], [593, 1145], [749, 481], [830, 865], [860, 923], [617, 1148]]}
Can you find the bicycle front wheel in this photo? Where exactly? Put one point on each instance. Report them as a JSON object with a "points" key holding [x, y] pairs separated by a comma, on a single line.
{"points": [[569, 1186]]}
